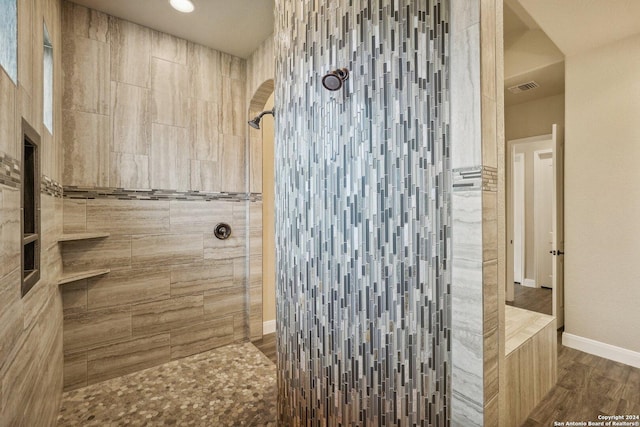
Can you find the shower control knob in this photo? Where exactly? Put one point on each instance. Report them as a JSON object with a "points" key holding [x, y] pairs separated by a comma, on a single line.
{"points": [[222, 231]]}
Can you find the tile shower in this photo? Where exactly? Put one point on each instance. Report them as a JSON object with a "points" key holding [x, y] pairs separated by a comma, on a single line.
{"points": [[363, 210], [154, 142]]}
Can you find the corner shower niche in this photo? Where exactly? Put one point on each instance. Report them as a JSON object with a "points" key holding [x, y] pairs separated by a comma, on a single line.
{"points": [[70, 277]]}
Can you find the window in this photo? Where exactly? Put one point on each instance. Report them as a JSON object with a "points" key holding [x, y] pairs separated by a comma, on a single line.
{"points": [[30, 208], [9, 38], [48, 81]]}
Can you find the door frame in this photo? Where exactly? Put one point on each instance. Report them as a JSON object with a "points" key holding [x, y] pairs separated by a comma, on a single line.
{"points": [[519, 202]]}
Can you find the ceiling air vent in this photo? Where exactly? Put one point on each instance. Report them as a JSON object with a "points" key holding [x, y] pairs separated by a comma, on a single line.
{"points": [[523, 87]]}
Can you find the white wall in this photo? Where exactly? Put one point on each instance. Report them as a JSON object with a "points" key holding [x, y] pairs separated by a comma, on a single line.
{"points": [[533, 118], [602, 196]]}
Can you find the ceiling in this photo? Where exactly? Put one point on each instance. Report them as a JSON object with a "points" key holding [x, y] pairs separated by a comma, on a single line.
{"points": [[236, 27], [529, 55], [579, 25]]}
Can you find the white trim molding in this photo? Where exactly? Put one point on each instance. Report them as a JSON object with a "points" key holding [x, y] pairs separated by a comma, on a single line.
{"points": [[530, 283], [597, 348], [268, 327]]}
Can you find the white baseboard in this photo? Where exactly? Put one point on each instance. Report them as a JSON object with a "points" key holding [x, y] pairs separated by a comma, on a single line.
{"points": [[597, 348], [268, 327], [530, 283]]}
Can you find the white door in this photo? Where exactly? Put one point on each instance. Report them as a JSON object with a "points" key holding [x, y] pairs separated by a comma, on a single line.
{"points": [[544, 194], [558, 225], [518, 217]]}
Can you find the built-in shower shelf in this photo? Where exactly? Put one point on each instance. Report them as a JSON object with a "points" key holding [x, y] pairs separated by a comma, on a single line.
{"points": [[74, 277], [81, 236]]}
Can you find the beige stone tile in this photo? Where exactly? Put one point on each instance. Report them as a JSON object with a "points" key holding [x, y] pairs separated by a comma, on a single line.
{"points": [[9, 230], [81, 21], [488, 51], [166, 249], [130, 119], [202, 217], [87, 330], [86, 75], [74, 297], [168, 47], [86, 149], [169, 93], [233, 247], [25, 45], [162, 316], [8, 126], [128, 287], [204, 130], [240, 327], [113, 252], [199, 278], [233, 157], [489, 226], [205, 73], [240, 271], [127, 357], [169, 159], [255, 312], [127, 216], [490, 362], [11, 320], [74, 216], [129, 171], [233, 67], [75, 371], [224, 302], [255, 178], [201, 337], [205, 176], [490, 294], [489, 133], [234, 113], [130, 52]]}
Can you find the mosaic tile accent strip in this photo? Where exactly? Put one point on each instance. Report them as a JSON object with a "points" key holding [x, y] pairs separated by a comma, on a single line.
{"points": [[50, 187], [489, 178], [10, 174], [73, 192], [229, 386], [363, 213], [465, 179]]}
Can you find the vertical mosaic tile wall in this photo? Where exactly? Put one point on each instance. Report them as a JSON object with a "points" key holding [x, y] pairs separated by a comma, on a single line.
{"points": [[362, 213]]}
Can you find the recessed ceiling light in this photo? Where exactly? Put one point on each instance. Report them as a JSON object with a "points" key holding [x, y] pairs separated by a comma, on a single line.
{"points": [[184, 6]]}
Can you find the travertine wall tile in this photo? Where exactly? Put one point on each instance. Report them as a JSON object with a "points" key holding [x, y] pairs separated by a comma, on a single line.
{"points": [[193, 279], [204, 130], [75, 370], [203, 64], [90, 329], [203, 217], [130, 119], [81, 21], [86, 148], [126, 357], [162, 316], [127, 216], [201, 337], [169, 159], [74, 297], [166, 249], [85, 57], [113, 252], [168, 47], [224, 302], [120, 288], [129, 171], [130, 48], [169, 89], [31, 366]]}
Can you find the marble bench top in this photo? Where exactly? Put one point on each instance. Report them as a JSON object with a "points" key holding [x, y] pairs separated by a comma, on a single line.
{"points": [[520, 325]]}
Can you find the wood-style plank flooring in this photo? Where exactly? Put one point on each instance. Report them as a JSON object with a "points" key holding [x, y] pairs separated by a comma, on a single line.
{"points": [[587, 386], [534, 299]]}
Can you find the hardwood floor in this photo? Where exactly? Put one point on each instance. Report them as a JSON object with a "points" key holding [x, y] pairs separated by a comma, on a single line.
{"points": [[534, 299], [267, 345], [587, 386]]}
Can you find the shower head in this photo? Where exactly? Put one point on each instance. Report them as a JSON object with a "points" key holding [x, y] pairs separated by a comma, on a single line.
{"points": [[255, 122]]}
